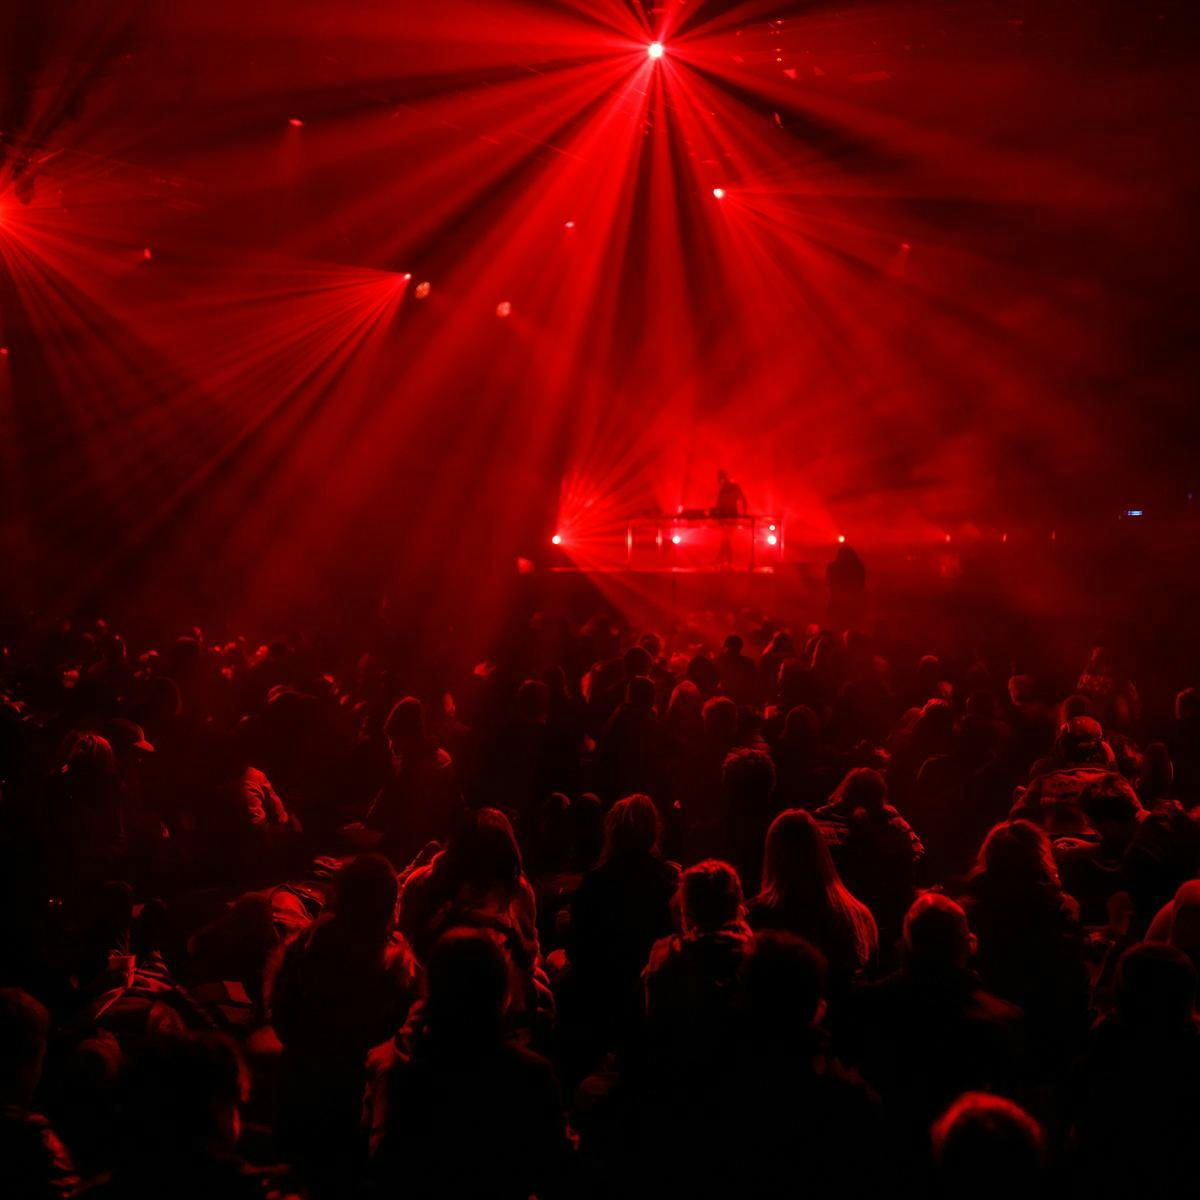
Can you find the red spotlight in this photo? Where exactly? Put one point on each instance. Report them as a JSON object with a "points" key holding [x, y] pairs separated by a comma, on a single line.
{"points": [[569, 225], [655, 50], [676, 539], [556, 540], [841, 539], [947, 537], [719, 193], [295, 122], [423, 289], [3, 351], [905, 247], [504, 309], [147, 253]]}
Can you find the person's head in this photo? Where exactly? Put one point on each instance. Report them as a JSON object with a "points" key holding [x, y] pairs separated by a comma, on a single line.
{"points": [[533, 701], [802, 726], [863, 788], [1076, 706], [1112, 808], [1081, 742], [986, 1145], [632, 826], [466, 986], [405, 723], [936, 935], [127, 738], [88, 759], [796, 855], [1156, 989], [1018, 852], [685, 703], [710, 896], [365, 894], [24, 1025], [784, 983], [1022, 689], [722, 476], [733, 644], [483, 852], [652, 644], [721, 720], [185, 1092], [556, 832], [1099, 662], [639, 693], [1187, 705], [748, 778], [637, 661]]}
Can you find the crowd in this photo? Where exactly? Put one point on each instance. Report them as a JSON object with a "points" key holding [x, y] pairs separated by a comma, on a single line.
{"points": [[800, 912]]}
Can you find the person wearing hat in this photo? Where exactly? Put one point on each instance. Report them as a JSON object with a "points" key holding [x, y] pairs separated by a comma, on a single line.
{"points": [[1052, 799]]}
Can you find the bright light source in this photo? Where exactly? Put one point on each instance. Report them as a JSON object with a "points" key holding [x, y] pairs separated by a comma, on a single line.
{"points": [[503, 309], [947, 537], [1134, 512], [719, 193], [771, 527], [772, 540], [655, 50], [676, 539], [841, 539], [423, 289], [568, 225], [147, 253], [556, 540], [295, 122], [905, 247]]}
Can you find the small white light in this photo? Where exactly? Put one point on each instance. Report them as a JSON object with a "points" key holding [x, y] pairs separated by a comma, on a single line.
{"points": [[655, 50]]}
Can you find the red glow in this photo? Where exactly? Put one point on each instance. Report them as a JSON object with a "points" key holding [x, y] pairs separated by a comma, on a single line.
{"points": [[772, 540], [556, 540], [295, 122], [147, 254], [719, 193], [676, 539], [841, 539], [504, 309], [655, 50], [423, 289]]}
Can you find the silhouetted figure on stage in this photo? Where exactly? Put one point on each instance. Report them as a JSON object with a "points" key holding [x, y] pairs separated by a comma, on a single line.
{"points": [[847, 580], [731, 502]]}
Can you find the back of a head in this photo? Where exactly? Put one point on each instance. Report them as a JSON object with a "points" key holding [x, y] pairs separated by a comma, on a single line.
{"points": [[710, 895], [734, 644], [632, 826], [936, 934], [365, 892], [784, 982], [1187, 705], [748, 776], [1156, 989], [721, 718], [1018, 852], [864, 788], [637, 661], [796, 857], [483, 851], [1081, 741], [1022, 689], [406, 720], [984, 1145], [801, 726], [533, 700], [466, 987], [1076, 706], [24, 1024]]}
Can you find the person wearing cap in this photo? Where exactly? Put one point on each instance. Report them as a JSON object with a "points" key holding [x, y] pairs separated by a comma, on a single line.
{"points": [[1052, 799]]}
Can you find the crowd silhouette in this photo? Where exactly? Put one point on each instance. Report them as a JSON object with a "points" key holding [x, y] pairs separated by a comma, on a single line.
{"points": [[790, 911]]}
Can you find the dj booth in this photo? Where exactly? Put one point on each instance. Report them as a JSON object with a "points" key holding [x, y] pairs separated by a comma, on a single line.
{"points": [[701, 535]]}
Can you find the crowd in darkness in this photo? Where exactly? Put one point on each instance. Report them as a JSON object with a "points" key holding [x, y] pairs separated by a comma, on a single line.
{"points": [[776, 912]]}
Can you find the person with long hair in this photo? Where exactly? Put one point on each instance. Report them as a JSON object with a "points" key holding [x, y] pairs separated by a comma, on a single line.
{"points": [[803, 894], [1030, 940]]}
